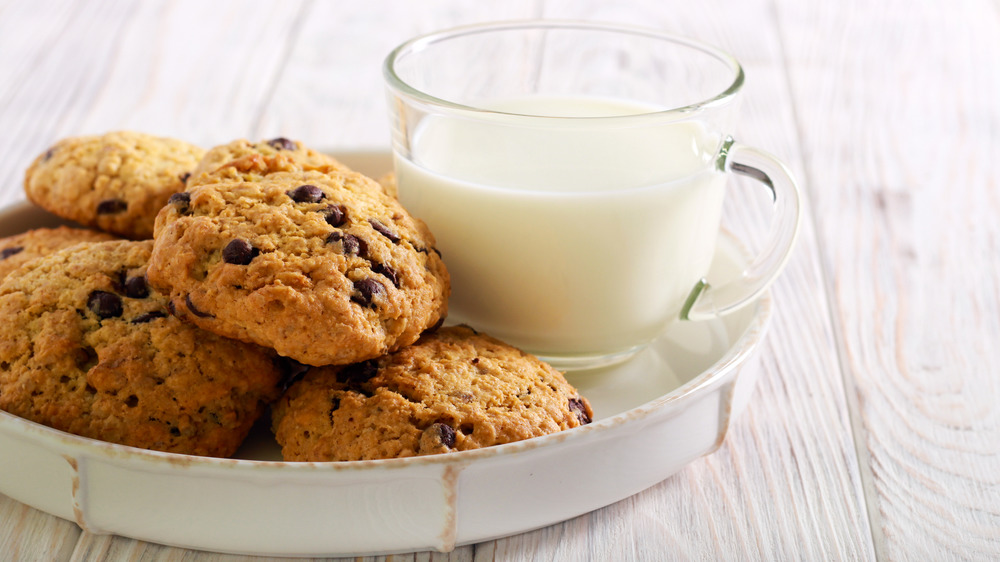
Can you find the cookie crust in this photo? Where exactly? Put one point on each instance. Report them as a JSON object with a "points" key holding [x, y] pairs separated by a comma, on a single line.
{"points": [[322, 267], [242, 160], [116, 182], [453, 390], [87, 347], [19, 249]]}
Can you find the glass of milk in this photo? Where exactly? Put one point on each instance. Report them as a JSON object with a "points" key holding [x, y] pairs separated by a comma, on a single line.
{"points": [[573, 174]]}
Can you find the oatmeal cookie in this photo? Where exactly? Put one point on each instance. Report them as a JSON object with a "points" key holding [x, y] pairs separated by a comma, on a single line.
{"points": [[19, 249], [242, 160], [453, 390], [321, 267], [115, 182], [87, 347], [389, 185]]}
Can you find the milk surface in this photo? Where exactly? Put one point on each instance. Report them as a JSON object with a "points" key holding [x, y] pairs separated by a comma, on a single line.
{"points": [[566, 236]]}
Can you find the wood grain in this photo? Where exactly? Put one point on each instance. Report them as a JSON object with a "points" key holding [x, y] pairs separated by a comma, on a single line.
{"points": [[330, 92], [27, 534], [906, 198]]}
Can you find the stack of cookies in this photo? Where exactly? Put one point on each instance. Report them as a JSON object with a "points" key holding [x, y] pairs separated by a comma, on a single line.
{"points": [[211, 287]]}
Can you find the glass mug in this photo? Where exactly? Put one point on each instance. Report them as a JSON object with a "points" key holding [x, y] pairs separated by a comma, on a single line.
{"points": [[573, 174]]}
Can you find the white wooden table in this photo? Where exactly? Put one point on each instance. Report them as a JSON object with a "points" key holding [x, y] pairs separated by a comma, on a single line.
{"points": [[875, 429]]}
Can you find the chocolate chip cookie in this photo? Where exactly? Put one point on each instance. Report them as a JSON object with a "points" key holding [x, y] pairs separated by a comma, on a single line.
{"points": [[322, 267], [389, 185], [242, 160], [19, 249], [87, 347], [115, 182], [453, 390]]}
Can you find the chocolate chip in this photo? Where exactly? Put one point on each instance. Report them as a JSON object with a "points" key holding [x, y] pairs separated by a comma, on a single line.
{"points": [[149, 316], [576, 406], [8, 252], [389, 272], [48, 154], [443, 433], [171, 308], [384, 230], [194, 310], [105, 304], [336, 215], [184, 177], [136, 287], [132, 401], [281, 143], [306, 194], [358, 373], [367, 290], [351, 245], [180, 198], [111, 206], [239, 252]]}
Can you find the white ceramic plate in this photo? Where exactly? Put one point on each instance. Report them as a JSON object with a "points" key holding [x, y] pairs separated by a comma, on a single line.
{"points": [[671, 404]]}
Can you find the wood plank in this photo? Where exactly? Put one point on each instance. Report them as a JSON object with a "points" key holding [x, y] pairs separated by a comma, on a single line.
{"points": [[200, 71], [897, 104], [29, 534], [330, 92]]}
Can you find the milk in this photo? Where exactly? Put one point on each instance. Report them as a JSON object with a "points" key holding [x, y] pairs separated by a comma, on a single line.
{"points": [[566, 237]]}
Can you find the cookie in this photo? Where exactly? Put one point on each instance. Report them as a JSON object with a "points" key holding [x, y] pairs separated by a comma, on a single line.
{"points": [[115, 182], [321, 267], [454, 390], [19, 249], [87, 347], [242, 160], [389, 185]]}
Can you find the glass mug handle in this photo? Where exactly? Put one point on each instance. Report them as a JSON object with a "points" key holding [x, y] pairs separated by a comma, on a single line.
{"points": [[707, 301]]}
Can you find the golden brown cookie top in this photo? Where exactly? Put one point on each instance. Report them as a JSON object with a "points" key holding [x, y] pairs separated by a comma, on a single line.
{"points": [[389, 185], [321, 267], [115, 182], [242, 160], [453, 390], [19, 249], [87, 347]]}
